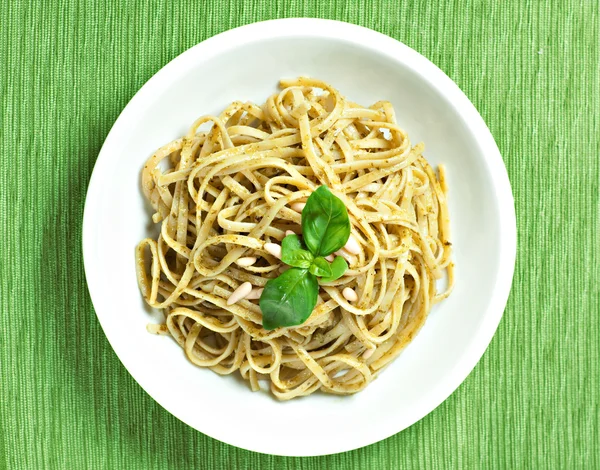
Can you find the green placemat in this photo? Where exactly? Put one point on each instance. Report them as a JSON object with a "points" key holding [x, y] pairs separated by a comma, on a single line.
{"points": [[68, 68]]}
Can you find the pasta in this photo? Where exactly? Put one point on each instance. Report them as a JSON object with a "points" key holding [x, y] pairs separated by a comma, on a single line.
{"points": [[227, 193]]}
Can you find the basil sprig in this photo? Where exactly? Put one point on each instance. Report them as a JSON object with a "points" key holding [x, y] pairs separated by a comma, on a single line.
{"points": [[289, 299]]}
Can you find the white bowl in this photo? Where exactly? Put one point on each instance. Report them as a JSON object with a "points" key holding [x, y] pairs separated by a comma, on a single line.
{"points": [[246, 64]]}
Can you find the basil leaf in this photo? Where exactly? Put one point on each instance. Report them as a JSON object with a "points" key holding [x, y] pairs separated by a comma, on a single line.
{"points": [[325, 222], [338, 268], [291, 242], [289, 299], [320, 267], [292, 253]]}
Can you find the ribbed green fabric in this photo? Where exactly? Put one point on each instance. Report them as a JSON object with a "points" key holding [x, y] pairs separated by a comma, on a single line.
{"points": [[532, 69]]}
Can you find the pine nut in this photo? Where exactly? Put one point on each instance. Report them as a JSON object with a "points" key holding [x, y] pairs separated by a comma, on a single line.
{"points": [[350, 294], [274, 249], [246, 261], [330, 258], [240, 293], [289, 232], [352, 245], [298, 206], [347, 256], [255, 294]]}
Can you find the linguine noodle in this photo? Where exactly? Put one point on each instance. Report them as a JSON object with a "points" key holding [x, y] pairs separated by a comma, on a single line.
{"points": [[228, 186]]}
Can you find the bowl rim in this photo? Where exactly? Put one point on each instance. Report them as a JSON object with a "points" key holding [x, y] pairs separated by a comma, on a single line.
{"points": [[395, 50]]}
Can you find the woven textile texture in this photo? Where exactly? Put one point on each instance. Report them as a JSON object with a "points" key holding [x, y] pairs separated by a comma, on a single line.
{"points": [[531, 68]]}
